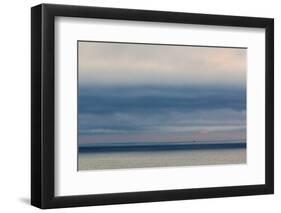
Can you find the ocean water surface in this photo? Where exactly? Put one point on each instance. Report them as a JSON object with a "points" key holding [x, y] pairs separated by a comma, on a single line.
{"points": [[122, 156]]}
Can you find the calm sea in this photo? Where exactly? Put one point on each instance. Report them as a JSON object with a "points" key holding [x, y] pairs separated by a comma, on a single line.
{"points": [[160, 158]]}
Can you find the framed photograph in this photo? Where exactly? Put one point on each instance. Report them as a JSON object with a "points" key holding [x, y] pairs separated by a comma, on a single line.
{"points": [[139, 106]]}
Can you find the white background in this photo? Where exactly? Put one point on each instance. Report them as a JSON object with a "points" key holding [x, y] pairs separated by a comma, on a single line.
{"points": [[15, 106]]}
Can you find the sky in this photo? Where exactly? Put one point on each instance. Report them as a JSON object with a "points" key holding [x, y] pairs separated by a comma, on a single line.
{"points": [[160, 93]]}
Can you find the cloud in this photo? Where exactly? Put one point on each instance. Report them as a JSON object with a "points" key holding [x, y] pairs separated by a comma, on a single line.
{"points": [[172, 122], [159, 99], [133, 92], [127, 111], [134, 64]]}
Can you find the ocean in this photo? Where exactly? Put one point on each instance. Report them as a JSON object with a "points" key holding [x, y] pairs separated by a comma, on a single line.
{"points": [[126, 156]]}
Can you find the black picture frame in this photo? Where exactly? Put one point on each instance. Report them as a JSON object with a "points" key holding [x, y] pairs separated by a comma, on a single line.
{"points": [[43, 102]]}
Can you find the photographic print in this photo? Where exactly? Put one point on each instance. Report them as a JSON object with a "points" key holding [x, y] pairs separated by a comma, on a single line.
{"points": [[193, 98], [157, 105]]}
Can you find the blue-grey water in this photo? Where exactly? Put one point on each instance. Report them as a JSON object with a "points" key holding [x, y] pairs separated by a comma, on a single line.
{"points": [[126, 156]]}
